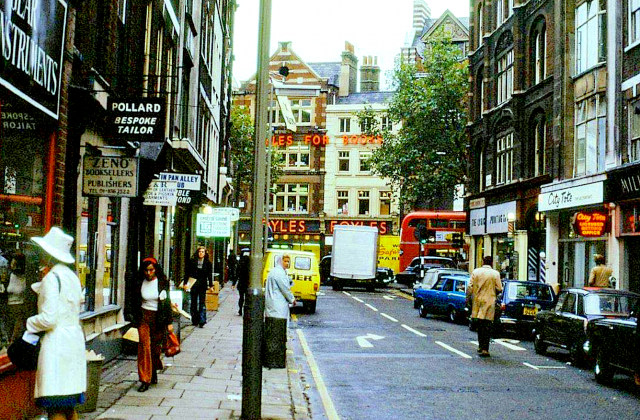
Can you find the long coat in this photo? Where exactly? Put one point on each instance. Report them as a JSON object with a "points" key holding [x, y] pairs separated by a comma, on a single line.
{"points": [[278, 294], [484, 285], [204, 275], [62, 368], [599, 276]]}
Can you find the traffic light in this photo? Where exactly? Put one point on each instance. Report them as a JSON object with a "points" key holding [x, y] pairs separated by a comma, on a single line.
{"points": [[421, 234], [456, 240]]}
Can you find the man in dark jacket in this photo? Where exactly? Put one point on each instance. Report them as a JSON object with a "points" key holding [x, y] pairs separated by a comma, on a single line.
{"points": [[242, 276]]}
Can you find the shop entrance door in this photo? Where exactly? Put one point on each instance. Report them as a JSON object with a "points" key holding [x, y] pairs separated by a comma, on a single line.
{"points": [[632, 251]]}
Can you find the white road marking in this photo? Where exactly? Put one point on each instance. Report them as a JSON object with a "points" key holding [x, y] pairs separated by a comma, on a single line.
{"points": [[388, 317], [363, 340], [408, 328], [475, 342], [329, 408], [451, 349], [543, 367], [346, 293], [508, 345], [320, 293], [357, 299], [388, 297], [371, 307]]}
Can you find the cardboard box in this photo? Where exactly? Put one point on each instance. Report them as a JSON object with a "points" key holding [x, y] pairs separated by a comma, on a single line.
{"points": [[216, 286], [211, 301]]}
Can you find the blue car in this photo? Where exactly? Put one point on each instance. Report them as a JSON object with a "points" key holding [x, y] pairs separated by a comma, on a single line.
{"points": [[447, 297]]}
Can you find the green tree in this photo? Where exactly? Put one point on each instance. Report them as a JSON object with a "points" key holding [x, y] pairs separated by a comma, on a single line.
{"points": [[426, 158], [242, 150]]}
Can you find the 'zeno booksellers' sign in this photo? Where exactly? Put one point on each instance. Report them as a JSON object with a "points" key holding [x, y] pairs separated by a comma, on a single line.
{"points": [[137, 119], [110, 176], [32, 34]]}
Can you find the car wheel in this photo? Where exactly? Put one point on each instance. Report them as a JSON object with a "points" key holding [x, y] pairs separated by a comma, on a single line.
{"points": [[538, 344], [603, 370], [416, 303], [453, 315], [310, 306], [422, 311]]}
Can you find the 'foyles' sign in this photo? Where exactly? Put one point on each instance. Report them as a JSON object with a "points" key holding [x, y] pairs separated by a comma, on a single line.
{"points": [[32, 34], [137, 119]]}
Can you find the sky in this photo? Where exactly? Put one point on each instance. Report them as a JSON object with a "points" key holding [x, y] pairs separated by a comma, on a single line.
{"points": [[319, 28]]}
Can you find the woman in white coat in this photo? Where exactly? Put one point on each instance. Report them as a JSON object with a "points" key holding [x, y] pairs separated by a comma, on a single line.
{"points": [[62, 374], [278, 296]]}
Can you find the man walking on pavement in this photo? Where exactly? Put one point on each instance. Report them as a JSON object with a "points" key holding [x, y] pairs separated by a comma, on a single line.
{"points": [[483, 288], [242, 278]]}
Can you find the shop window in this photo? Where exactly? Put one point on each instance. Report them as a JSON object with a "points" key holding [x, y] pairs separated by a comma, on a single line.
{"points": [[345, 125], [291, 198], [385, 203], [364, 161], [505, 77], [363, 203], [504, 158], [634, 21], [591, 34], [343, 203], [343, 161], [591, 135], [297, 156], [634, 131], [630, 220]]}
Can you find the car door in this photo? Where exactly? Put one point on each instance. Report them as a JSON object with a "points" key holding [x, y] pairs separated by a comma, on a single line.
{"points": [[567, 319], [459, 295], [550, 327], [443, 295]]}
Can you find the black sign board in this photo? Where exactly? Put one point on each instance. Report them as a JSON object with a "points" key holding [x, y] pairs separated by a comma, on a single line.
{"points": [[32, 35], [137, 119], [623, 184]]}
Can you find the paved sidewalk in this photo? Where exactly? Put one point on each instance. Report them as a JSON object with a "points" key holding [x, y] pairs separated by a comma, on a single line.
{"points": [[204, 381]]}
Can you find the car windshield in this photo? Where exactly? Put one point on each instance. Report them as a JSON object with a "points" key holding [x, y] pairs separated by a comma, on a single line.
{"points": [[302, 263], [608, 304], [530, 291], [439, 262]]}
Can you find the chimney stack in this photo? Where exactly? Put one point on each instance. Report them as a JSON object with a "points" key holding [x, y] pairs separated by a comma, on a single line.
{"points": [[348, 71], [369, 74]]}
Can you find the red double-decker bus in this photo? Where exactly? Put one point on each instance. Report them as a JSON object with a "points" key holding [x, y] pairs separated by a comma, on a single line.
{"points": [[440, 225]]}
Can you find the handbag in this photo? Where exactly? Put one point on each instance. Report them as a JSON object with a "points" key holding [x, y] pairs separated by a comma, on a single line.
{"points": [[172, 345], [23, 354]]}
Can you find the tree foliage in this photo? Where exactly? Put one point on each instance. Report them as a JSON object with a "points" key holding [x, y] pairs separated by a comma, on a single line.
{"points": [[243, 150], [426, 158]]}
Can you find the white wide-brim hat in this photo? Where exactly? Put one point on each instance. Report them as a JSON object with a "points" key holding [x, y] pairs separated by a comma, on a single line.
{"points": [[57, 244]]}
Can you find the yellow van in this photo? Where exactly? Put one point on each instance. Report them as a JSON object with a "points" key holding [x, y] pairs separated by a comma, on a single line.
{"points": [[303, 272]]}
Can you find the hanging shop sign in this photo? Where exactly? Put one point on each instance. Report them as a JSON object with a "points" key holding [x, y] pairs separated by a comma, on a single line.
{"points": [[32, 35], [384, 226], [623, 184], [110, 176], [137, 119], [591, 223], [477, 221], [161, 193], [572, 197], [213, 225], [287, 113], [185, 181], [233, 212], [188, 196], [497, 217]]}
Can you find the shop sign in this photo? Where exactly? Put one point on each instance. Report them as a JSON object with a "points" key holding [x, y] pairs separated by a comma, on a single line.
{"points": [[233, 212], [287, 113], [444, 236], [187, 196], [32, 35], [497, 217], [17, 120], [113, 176], [477, 222], [476, 203], [137, 119], [213, 225], [384, 226], [283, 140], [572, 197], [590, 224], [161, 193], [294, 226], [185, 181], [362, 139], [623, 185]]}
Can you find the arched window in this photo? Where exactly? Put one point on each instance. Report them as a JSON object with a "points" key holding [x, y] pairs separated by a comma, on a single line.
{"points": [[480, 91], [504, 70], [480, 22], [539, 51], [539, 145]]}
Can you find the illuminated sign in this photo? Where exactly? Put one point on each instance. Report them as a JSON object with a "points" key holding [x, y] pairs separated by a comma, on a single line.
{"points": [[362, 139], [282, 140], [590, 224], [384, 226], [294, 226]]}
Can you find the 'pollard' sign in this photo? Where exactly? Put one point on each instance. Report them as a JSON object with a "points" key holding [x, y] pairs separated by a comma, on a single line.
{"points": [[32, 34], [137, 119]]}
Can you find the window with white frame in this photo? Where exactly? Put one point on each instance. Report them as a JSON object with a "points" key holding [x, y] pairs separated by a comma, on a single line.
{"points": [[275, 114], [385, 203], [481, 171], [345, 125], [480, 24], [296, 156], [343, 161], [301, 109], [480, 89], [634, 132], [500, 12], [363, 203], [291, 198], [539, 138], [590, 34], [539, 54], [509, 8], [505, 77], [634, 21], [364, 161], [343, 203], [591, 135], [504, 159], [386, 122]]}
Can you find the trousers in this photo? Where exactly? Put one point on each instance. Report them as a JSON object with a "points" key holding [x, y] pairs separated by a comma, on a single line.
{"points": [[149, 347], [484, 333]]}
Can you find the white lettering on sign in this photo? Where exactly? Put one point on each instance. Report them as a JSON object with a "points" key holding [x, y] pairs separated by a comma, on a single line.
{"points": [[497, 217], [572, 197], [137, 108], [213, 225], [477, 220], [161, 193]]}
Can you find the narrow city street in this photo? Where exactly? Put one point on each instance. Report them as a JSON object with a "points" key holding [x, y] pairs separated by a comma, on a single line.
{"points": [[414, 368]]}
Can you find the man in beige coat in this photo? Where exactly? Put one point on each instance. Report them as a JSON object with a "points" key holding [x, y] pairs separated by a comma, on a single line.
{"points": [[600, 274], [483, 287]]}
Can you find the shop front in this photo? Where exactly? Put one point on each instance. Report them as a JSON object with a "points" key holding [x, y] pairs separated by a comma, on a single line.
{"points": [[578, 227]]}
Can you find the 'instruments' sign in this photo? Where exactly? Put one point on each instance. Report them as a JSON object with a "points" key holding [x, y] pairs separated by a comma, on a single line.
{"points": [[590, 224]]}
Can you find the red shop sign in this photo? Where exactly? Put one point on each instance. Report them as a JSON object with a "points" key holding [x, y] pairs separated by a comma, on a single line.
{"points": [[383, 226], [590, 224]]}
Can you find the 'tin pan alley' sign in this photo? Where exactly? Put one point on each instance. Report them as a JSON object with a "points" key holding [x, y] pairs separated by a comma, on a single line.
{"points": [[32, 34]]}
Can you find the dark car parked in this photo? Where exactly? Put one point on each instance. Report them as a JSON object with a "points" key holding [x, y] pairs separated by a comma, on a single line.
{"points": [[518, 305], [615, 345], [566, 324], [412, 273]]}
